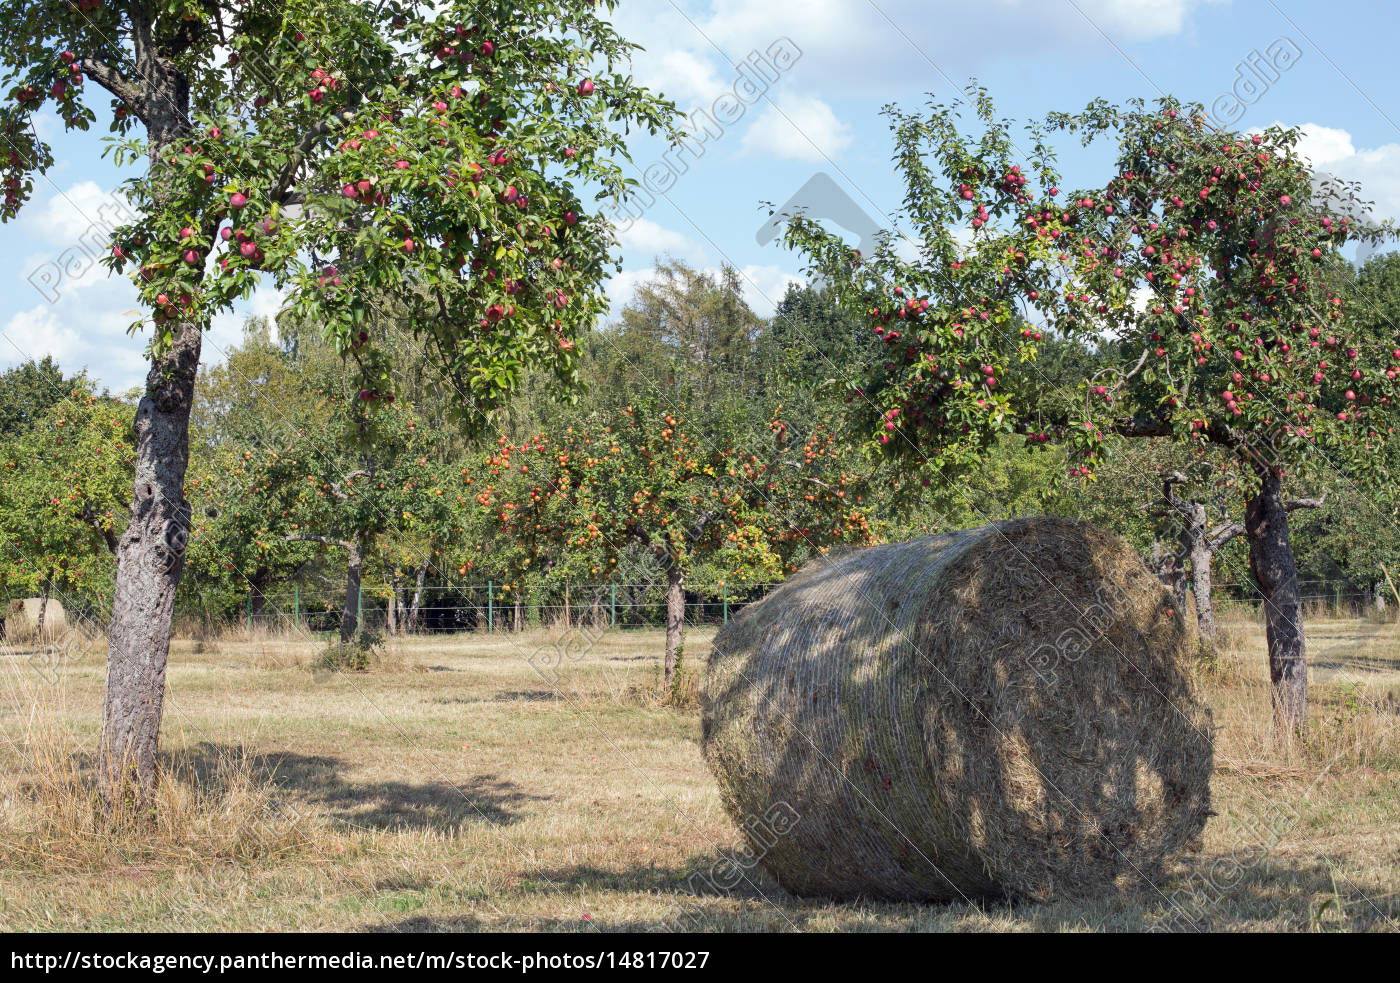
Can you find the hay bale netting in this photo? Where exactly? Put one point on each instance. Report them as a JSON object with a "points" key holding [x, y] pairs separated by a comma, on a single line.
{"points": [[1003, 711], [22, 620]]}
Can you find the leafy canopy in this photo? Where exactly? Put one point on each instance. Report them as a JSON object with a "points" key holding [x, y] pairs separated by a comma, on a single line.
{"points": [[430, 157]]}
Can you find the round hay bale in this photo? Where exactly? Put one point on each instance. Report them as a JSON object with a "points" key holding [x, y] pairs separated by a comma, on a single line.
{"points": [[997, 712], [22, 620]]}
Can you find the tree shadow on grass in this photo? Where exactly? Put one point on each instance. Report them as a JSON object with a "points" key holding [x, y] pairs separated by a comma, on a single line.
{"points": [[1224, 892], [703, 879], [320, 780], [1241, 889]]}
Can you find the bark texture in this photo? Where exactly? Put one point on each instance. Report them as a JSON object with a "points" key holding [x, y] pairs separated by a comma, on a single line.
{"points": [[150, 559], [415, 611], [350, 614], [1276, 574]]}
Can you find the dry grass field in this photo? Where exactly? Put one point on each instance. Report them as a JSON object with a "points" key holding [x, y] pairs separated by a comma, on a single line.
{"points": [[453, 789]]}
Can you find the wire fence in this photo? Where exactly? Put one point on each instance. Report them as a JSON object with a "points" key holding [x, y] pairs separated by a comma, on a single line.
{"points": [[493, 607], [484, 607]]}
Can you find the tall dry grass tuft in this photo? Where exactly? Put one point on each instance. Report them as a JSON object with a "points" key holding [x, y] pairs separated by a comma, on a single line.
{"points": [[206, 633], [210, 803], [1354, 719]]}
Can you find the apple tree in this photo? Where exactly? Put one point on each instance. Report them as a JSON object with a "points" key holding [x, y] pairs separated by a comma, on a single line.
{"points": [[746, 503], [62, 499], [1202, 274], [337, 151]]}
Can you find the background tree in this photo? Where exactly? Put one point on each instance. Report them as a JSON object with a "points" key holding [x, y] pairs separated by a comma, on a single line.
{"points": [[62, 501], [29, 389], [652, 484]]}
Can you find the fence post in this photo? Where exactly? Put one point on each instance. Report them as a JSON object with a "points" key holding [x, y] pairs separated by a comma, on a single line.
{"points": [[724, 599], [296, 606], [250, 612], [490, 605], [612, 620], [359, 608]]}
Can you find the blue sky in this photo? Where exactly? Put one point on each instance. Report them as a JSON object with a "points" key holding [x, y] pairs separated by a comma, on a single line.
{"points": [[820, 115]]}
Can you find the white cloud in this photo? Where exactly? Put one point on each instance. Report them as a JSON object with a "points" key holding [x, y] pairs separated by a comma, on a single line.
{"points": [[688, 78], [1377, 169], [1134, 20], [36, 333], [645, 239], [764, 286], [81, 213], [1323, 145], [797, 128], [866, 47], [622, 286], [79, 334]]}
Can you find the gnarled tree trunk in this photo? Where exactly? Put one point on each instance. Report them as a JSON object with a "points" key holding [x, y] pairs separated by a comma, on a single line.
{"points": [[150, 558], [415, 612], [151, 553], [1276, 574], [1170, 571], [350, 614], [1201, 554]]}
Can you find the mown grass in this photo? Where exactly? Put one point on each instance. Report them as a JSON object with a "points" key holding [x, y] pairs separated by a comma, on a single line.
{"points": [[455, 788]]}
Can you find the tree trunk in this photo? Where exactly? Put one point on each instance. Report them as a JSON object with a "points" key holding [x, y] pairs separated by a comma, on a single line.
{"points": [[1276, 574], [391, 614], [150, 558], [151, 553], [675, 620], [1200, 586], [43, 610], [416, 610], [256, 583], [518, 623], [1171, 573], [350, 614]]}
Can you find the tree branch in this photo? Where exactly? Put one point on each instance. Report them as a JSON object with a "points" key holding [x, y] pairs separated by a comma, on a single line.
{"points": [[1304, 503], [108, 535], [1222, 534], [283, 185], [116, 83], [335, 489]]}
